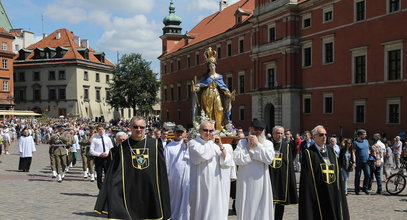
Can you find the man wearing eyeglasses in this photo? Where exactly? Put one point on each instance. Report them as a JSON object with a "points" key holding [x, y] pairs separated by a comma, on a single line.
{"points": [[282, 173], [136, 185], [209, 160], [253, 155], [321, 190], [178, 168]]}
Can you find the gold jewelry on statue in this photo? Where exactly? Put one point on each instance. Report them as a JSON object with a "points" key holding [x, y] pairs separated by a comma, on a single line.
{"points": [[210, 55]]}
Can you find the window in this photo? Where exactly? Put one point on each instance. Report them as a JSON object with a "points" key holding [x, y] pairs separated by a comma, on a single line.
{"points": [[328, 14], [306, 21], [168, 115], [241, 45], [272, 34], [172, 93], [189, 61], [52, 95], [359, 111], [229, 81], [36, 76], [393, 5], [107, 78], [328, 49], [86, 94], [21, 77], [393, 65], [98, 95], [171, 67], [61, 75], [4, 64], [241, 113], [61, 94], [271, 78], [329, 53], [97, 77], [360, 10], [360, 69], [306, 102], [20, 94], [189, 88], [306, 54], [179, 92], [165, 94], [179, 114], [37, 94], [393, 111], [197, 59], [165, 69], [178, 64], [85, 76], [4, 46], [229, 48], [107, 95], [328, 103], [219, 50], [241, 82], [51, 75], [359, 65], [5, 86]]}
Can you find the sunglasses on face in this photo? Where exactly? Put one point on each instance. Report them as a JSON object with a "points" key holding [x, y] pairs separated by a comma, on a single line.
{"points": [[138, 127], [322, 134], [207, 130]]}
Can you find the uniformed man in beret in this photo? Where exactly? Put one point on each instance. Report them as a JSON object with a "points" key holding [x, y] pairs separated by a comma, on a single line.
{"points": [[60, 141]]}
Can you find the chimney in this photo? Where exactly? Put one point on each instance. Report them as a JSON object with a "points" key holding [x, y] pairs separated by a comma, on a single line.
{"points": [[222, 5], [85, 43], [58, 36], [44, 35], [77, 40]]}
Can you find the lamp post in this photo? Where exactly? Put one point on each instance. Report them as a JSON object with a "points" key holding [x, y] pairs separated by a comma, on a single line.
{"points": [[10, 99]]}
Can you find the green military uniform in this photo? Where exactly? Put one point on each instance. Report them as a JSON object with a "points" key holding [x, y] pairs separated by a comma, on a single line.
{"points": [[87, 158], [59, 143]]}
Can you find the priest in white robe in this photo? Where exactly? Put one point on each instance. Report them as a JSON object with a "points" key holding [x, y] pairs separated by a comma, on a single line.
{"points": [[209, 159], [178, 170], [254, 196], [26, 147]]}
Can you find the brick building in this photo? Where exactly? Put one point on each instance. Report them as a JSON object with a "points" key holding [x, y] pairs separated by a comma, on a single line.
{"points": [[297, 63], [6, 70]]}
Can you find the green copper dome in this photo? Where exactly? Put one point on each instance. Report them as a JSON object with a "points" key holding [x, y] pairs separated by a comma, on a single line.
{"points": [[172, 22], [172, 18]]}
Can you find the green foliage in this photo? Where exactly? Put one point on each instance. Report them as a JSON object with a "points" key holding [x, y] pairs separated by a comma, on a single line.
{"points": [[134, 85]]}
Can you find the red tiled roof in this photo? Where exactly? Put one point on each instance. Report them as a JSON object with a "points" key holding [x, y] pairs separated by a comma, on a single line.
{"points": [[66, 40], [216, 24], [4, 32]]}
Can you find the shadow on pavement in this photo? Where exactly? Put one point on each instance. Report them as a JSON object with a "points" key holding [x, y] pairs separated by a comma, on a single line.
{"points": [[41, 180], [93, 214], [15, 171], [38, 175], [79, 194]]}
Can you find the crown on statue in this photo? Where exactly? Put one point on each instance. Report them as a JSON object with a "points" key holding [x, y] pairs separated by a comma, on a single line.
{"points": [[210, 55]]}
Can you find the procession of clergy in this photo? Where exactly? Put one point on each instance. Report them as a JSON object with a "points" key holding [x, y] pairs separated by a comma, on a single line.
{"points": [[148, 178]]}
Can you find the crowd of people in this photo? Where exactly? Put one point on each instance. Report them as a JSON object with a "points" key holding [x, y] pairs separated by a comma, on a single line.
{"points": [[144, 174]]}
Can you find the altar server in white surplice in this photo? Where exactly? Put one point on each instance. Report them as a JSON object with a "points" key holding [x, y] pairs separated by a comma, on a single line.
{"points": [[253, 155], [26, 147], [177, 161], [209, 159]]}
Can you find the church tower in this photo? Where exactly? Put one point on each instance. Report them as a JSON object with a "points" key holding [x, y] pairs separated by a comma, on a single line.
{"points": [[171, 30]]}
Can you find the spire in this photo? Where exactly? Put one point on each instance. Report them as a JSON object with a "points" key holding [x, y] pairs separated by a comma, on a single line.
{"points": [[172, 21]]}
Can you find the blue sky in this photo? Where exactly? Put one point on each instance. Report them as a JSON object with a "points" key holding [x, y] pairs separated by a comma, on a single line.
{"points": [[124, 26]]}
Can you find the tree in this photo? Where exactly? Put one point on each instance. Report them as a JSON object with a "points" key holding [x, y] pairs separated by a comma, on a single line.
{"points": [[134, 85]]}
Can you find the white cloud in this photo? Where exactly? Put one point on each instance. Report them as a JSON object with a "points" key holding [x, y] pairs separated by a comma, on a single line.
{"points": [[211, 5], [129, 35], [73, 15]]}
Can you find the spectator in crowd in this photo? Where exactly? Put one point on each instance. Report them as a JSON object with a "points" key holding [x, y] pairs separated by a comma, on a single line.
{"points": [[361, 149], [397, 148], [377, 152], [346, 161]]}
